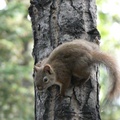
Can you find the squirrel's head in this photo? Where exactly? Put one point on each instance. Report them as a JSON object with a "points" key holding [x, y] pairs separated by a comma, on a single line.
{"points": [[44, 77]]}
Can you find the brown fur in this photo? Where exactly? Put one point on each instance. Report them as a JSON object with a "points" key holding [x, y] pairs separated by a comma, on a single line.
{"points": [[74, 59]]}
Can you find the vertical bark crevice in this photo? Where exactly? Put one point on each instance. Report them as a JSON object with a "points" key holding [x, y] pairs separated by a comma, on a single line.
{"points": [[79, 10], [53, 23], [50, 104]]}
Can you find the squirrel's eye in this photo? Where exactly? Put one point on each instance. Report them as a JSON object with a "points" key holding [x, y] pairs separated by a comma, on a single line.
{"points": [[45, 80]]}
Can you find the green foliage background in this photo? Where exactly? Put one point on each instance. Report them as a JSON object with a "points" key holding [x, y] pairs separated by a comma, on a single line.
{"points": [[16, 63], [16, 83], [109, 27]]}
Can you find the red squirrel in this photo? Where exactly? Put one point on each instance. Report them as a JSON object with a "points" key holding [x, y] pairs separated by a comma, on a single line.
{"points": [[74, 58]]}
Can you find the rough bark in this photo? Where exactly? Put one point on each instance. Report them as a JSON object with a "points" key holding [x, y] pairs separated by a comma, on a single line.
{"points": [[55, 22]]}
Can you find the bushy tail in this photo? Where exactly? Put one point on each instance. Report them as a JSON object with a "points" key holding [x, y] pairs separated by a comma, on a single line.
{"points": [[114, 72]]}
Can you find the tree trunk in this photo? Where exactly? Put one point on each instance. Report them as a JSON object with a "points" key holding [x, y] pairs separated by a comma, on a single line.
{"points": [[55, 22]]}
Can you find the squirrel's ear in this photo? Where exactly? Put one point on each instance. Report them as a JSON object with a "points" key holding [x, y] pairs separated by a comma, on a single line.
{"points": [[36, 68], [48, 69]]}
